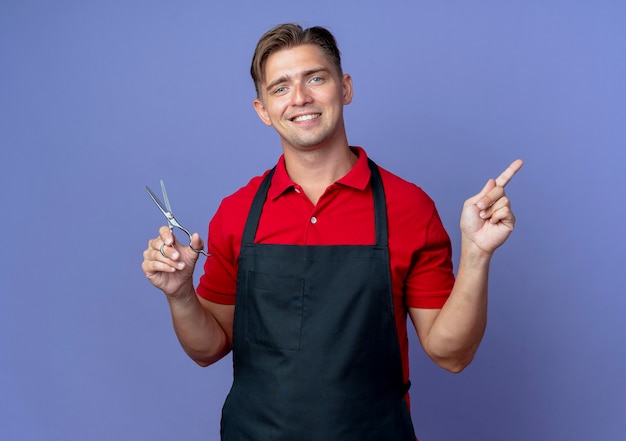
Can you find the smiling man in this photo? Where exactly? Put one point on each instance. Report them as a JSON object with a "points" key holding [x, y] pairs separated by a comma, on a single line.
{"points": [[316, 264]]}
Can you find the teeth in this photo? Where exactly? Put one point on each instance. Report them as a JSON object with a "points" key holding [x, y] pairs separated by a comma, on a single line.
{"points": [[307, 117]]}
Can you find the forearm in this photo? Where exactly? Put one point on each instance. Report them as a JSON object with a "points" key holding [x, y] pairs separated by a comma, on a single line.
{"points": [[458, 330], [451, 336], [198, 331]]}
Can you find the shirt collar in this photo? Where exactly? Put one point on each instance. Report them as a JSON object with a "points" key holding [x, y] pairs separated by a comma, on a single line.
{"points": [[358, 177]]}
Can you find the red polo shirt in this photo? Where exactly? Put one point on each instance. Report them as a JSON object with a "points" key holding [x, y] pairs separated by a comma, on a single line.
{"points": [[419, 247]]}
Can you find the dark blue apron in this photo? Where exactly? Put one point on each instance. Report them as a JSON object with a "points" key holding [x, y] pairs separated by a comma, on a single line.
{"points": [[315, 347]]}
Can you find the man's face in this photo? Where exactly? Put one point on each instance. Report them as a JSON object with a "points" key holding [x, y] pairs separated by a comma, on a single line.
{"points": [[303, 96]]}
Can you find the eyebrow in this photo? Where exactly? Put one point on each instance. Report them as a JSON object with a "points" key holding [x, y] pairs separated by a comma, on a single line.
{"points": [[286, 78]]}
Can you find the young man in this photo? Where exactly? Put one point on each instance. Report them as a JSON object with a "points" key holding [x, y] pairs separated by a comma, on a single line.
{"points": [[315, 264]]}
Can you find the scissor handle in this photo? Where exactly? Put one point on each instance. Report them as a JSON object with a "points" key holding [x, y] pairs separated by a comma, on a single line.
{"points": [[186, 231], [199, 251]]}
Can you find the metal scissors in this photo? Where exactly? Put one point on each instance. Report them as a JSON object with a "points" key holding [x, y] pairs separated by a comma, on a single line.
{"points": [[171, 220]]}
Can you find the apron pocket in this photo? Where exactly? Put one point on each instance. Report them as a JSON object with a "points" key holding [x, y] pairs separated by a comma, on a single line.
{"points": [[274, 307]]}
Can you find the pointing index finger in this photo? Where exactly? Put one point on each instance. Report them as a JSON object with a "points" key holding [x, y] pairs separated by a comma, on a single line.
{"points": [[508, 174]]}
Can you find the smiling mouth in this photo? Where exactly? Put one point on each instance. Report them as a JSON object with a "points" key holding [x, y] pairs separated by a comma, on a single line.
{"points": [[306, 117]]}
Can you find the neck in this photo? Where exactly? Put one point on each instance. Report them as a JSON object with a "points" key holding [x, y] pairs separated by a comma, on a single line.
{"points": [[314, 170]]}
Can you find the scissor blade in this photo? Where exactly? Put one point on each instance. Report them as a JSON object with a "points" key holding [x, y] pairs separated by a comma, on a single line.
{"points": [[157, 201], [167, 201]]}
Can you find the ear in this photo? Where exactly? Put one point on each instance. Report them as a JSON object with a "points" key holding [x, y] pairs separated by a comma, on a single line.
{"points": [[262, 112], [346, 84]]}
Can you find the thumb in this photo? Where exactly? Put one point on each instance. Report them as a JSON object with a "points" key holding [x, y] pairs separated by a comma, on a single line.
{"points": [[491, 183], [196, 241], [197, 245]]}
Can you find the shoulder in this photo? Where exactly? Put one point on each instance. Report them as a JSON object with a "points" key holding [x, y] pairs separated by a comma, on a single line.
{"points": [[402, 194], [233, 210], [412, 214], [244, 194], [398, 191]]}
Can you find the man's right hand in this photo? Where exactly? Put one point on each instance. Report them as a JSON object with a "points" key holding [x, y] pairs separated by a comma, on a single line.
{"points": [[169, 265]]}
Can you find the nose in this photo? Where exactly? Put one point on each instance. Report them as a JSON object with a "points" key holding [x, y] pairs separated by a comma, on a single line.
{"points": [[301, 95]]}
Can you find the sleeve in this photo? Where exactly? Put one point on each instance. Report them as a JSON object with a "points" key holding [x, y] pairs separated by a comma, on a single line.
{"points": [[431, 278], [218, 283]]}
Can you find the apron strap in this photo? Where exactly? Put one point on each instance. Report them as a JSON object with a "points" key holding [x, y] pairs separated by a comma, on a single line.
{"points": [[380, 205], [255, 210]]}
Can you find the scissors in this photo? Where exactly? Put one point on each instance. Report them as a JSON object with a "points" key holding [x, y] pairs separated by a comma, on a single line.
{"points": [[171, 220]]}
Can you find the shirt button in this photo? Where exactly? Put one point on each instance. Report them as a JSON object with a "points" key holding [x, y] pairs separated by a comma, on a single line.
{"points": [[297, 190], [313, 220]]}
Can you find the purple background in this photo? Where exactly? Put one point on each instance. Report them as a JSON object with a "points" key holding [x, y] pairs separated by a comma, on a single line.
{"points": [[100, 98]]}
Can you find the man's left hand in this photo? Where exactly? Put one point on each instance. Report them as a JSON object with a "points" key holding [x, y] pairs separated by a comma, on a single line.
{"points": [[487, 219]]}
